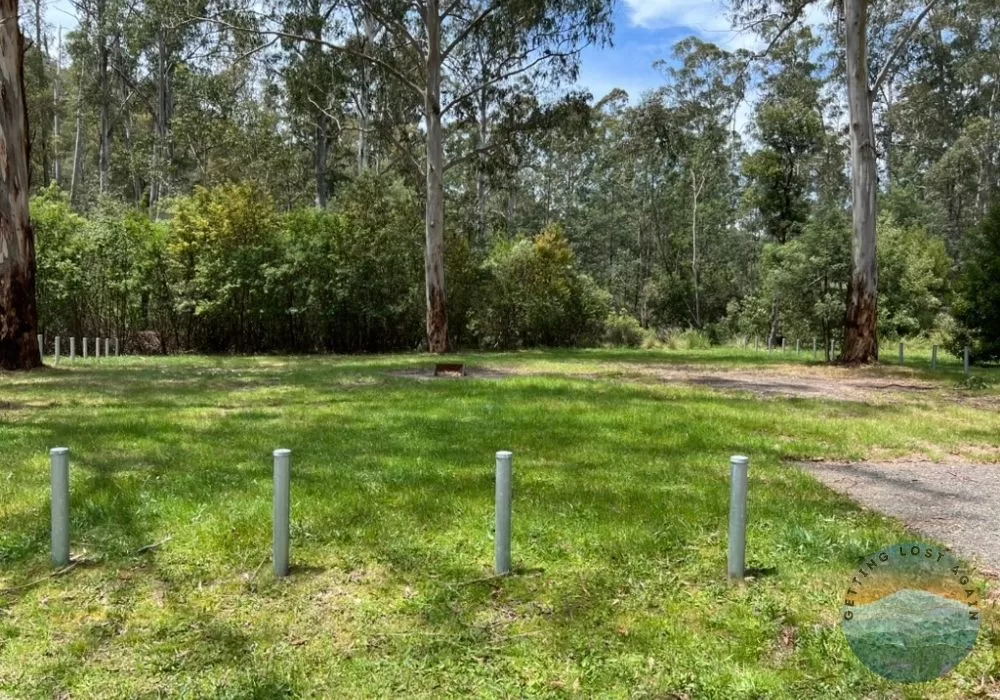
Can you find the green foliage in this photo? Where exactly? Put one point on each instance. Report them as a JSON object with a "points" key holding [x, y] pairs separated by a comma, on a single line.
{"points": [[913, 273], [977, 308], [533, 294], [621, 329], [805, 280]]}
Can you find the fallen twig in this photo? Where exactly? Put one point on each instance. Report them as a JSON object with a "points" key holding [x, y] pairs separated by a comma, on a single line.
{"points": [[54, 574], [155, 545]]}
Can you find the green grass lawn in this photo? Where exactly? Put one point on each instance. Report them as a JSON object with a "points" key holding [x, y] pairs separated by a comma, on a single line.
{"points": [[620, 510]]}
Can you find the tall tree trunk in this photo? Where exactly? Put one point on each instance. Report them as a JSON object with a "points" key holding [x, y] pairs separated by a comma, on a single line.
{"points": [[56, 99], [320, 158], [437, 317], [481, 184], [104, 159], [861, 323], [18, 310], [77, 175], [696, 189]]}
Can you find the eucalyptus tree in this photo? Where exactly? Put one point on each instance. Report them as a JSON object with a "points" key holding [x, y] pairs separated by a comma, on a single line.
{"points": [[427, 37], [18, 312], [775, 18]]}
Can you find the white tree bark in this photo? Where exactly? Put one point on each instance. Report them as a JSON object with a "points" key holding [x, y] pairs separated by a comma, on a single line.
{"points": [[861, 324]]}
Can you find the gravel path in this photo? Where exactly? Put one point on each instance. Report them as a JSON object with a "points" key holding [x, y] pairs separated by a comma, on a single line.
{"points": [[956, 503]]}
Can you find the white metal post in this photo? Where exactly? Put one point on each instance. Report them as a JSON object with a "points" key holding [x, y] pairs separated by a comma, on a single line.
{"points": [[504, 497], [282, 510], [739, 468], [60, 505]]}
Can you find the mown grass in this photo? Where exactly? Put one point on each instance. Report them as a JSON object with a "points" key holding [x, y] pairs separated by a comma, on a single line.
{"points": [[620, 516]]}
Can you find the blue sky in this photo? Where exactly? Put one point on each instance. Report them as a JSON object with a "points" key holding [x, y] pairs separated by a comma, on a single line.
{"points": [[645, 32]]}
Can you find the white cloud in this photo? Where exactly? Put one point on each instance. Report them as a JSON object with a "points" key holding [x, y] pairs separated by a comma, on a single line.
{"points": [[701, 15]]}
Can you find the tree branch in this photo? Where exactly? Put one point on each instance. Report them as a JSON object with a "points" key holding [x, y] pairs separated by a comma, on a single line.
{"points": [[322, 42], [510, 74], [469, 28], [901, 42]]}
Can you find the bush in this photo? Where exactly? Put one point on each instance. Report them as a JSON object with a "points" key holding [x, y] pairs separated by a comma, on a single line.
{"points": [[691, 339], [532, 294], [624, 330]]}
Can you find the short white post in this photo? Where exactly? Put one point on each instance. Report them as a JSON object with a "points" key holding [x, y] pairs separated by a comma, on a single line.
{"points": [[97, 348], [116, 347], [282, 510], [814, 348], [966, 359], [902, 357], [739, 467], [60, 505], [504, 495], [57, 349], [85, 347], [798, 346], [72, 347], [756, 342], [41, 347], [107, 347], [934, 357], [832, 349]]}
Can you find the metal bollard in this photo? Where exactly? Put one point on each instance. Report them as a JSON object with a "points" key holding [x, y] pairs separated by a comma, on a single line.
{"points": [[739, 468], [282, 510], [504, 497], [60, 505]]}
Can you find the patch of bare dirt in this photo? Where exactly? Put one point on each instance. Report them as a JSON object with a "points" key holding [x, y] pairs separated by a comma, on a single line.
{"points": [[470, 373]]}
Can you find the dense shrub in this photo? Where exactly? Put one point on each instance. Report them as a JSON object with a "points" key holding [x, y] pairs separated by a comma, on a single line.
{"points": [[533, 294], [624, 330], [228, 272], [977, 308]]}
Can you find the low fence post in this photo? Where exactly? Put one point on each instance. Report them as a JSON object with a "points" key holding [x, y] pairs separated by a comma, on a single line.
{"points": [[116, 347], [814, 348], [72, 348], [107, 347], [504, 498], [739, 468], [902, 356], [41, 347], [282, 511], [85, 347], [57, 350], [934, 357], [965, 359], [60, 505]]}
